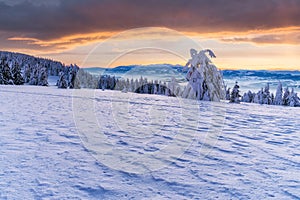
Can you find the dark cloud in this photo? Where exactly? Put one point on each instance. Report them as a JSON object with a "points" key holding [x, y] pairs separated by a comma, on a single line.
{"points": [[30, 18], [288, 38]]}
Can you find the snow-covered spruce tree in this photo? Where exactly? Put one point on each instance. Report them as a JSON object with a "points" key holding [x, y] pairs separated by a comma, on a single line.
{"points": [[255, 98], [248, 97], [272, 98], [87, 80], [33, 80], [42, 77], [73, 81], [62, 83], [266, 96], [1, 71], [108, 82], [293, 99], [17, 74], [260, 96], [204, 79], [235, 94], [227, 94], [26, 73], [1, 76], [6, 75], [285, 100], [278, 96], [174, 87]]}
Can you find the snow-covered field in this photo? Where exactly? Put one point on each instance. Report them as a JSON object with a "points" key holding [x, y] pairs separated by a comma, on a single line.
{"points": [[85, 144]]}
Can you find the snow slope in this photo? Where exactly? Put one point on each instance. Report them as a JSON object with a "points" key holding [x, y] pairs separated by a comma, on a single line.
{"points": [[151, 147]]}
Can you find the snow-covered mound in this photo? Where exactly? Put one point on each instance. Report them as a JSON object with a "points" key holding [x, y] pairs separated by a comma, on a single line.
{"points": [[201, 150]]}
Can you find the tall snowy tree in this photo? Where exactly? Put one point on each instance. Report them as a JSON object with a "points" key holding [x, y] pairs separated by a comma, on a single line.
{"points": [[266, 96], [293, 99], [260, 96], [17, 74], [26, 73], [227, 94], [278, 96], [235, 94], [205, 81], [285, 100], [33, 80], [248, 97], [6, 75], [62, 83], [42, 76], [1, 71]]}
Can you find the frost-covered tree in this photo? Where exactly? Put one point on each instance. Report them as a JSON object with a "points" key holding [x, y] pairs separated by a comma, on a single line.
{"points": [[108, 82], [26, 73], [272, 98], [205, 81], [293, 99], [235, 94], [266, 96], [33, 80], [174, 87], [227, 94], [1, 71], [62, 83], [87, 80], [255, 98], [248, 97], [6, 75], [260, 96], [278, 96], [42, 77], [17, 74], [285, 98]]}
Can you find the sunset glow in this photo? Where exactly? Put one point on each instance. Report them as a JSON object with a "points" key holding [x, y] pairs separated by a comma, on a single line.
{"points": [[248, 35]]}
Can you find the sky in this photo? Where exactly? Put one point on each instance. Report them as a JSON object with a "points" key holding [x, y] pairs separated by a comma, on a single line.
{"points": [[247, 34]]}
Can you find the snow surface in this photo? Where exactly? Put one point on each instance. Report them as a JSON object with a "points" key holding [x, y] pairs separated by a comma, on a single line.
{"points": [[221, 150], [52, 80]]}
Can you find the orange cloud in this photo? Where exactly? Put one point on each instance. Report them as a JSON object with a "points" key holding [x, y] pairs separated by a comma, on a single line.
{"points": [[284, 35], [63, 43]]}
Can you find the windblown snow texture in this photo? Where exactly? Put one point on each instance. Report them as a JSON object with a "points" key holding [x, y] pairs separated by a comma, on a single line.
{"points": [[256, 154]]}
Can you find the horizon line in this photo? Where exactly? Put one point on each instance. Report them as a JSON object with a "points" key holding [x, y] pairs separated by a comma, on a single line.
{"points": [[220, 68]]}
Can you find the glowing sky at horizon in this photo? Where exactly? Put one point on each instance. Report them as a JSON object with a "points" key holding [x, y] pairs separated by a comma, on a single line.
{"points": [[251, 34]]}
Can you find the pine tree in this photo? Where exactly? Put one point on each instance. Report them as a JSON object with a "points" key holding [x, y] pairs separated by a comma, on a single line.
{"points": [[266, 97], [17, 75], [235, 96], [278, 96], [293, 99], [7, 76], [228, 94], [286, 94], [42, 77], [260, 96], [247, 97], [26, 73], [62, 83], [1, 72], [33, 80]]}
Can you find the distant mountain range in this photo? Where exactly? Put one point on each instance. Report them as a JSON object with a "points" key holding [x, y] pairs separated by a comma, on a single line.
{"points": [[248, 79]]}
